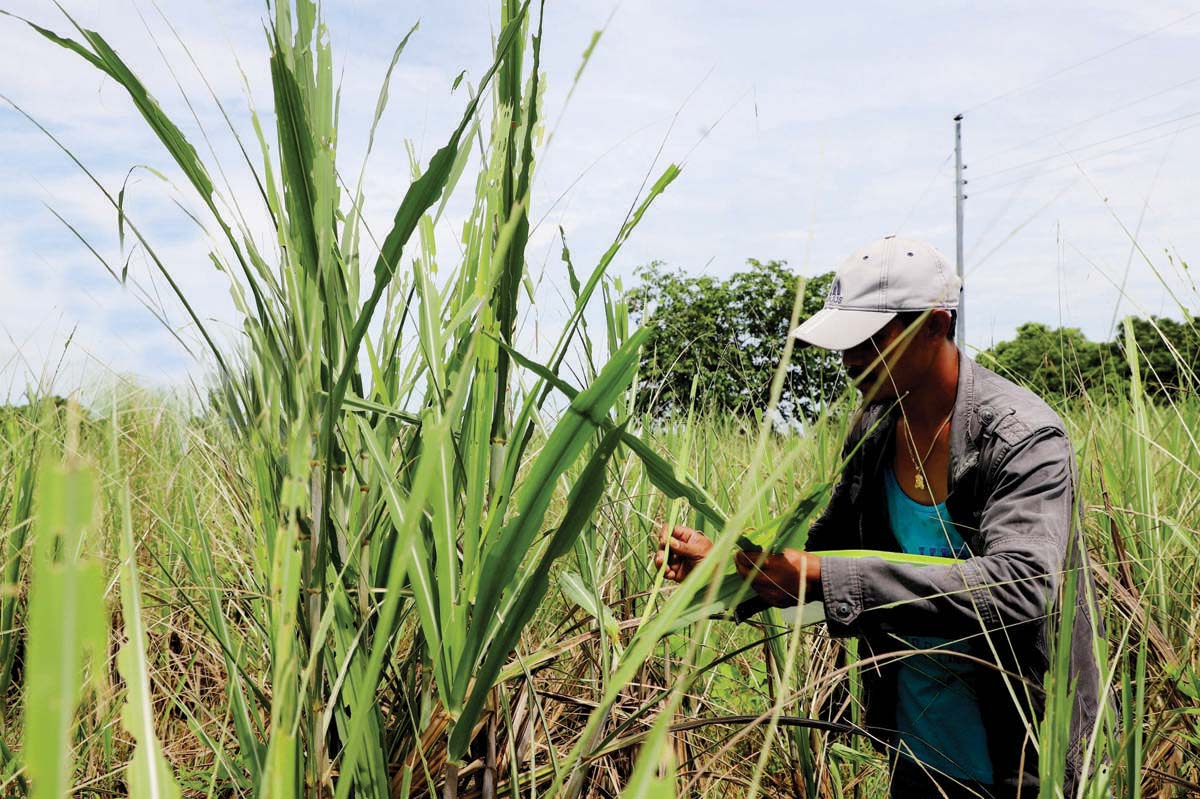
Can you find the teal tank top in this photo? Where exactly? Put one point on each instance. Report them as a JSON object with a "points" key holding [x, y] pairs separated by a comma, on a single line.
{"points": [[938, 722]]}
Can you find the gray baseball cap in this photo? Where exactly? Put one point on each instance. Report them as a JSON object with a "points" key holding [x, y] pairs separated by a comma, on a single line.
{"points": [[873, 285]]}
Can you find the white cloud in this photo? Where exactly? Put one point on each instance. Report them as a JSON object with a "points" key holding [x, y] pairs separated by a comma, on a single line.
{"points": [[802, 129]]}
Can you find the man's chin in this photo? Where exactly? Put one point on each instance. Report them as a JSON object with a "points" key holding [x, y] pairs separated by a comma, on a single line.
{"points": [[872, 390]]}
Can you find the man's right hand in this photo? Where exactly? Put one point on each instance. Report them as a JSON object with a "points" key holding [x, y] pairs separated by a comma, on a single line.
{"points": [[682, 549]]}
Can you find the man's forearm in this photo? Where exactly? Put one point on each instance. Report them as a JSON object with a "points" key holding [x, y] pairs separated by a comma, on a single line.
{"points": [[780, 579], [808, 566]]}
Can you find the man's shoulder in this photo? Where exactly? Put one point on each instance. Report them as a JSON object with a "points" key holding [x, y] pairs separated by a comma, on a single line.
{"points": [[1011, 412]]}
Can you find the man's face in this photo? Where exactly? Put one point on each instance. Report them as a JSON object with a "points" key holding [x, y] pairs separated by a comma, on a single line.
{"points": [[893, 360]]}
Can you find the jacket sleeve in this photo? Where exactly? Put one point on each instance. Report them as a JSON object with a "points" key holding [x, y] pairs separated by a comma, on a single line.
{"points": [[823, 532], [1026, 527]]}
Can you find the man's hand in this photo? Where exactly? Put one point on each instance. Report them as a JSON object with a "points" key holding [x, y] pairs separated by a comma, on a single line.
{"points": [[780, 578], [687, 548]]}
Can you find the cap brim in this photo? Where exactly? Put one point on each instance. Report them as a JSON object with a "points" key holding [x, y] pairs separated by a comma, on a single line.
{"points": [[841, 328]]}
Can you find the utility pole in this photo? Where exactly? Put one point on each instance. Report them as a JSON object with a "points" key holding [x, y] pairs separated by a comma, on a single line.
{"points": [[959, 196]]}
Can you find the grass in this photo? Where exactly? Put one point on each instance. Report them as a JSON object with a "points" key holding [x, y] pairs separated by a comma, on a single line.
{"points": [[189, 501], [370, 566]]}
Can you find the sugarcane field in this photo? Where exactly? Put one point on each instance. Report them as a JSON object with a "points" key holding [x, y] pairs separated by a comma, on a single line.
{"points": [[547, 398]]}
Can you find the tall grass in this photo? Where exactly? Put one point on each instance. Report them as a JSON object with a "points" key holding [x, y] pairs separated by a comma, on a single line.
{"points": [[190, 507], [385, 473], [372, 567]]}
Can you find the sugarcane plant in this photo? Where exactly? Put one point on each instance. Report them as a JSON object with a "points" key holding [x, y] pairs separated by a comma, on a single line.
{"points": [[402, 512], [404, 483]]}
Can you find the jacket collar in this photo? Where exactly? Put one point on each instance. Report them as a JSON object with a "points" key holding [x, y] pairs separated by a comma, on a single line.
{"points": [[964, 425]]}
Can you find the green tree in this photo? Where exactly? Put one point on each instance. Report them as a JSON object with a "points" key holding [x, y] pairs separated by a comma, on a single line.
{"points": [[1061, 363], [1165, 369], [1057, 363], [728, 336]]}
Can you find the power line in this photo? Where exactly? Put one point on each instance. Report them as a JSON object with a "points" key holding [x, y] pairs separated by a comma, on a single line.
{"points": [[1137, 232], [925, 192], [999, 215], [1077, 64], [1100, 115], [1063, 190], [1088, 146], [976, 264], [1105, 154], [1069, 152], [1091, 157]]}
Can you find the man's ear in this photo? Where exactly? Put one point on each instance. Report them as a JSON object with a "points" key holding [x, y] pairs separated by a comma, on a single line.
{"points": [[937, 326]]}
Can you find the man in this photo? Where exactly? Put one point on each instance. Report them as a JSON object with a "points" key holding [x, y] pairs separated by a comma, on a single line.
{"points": [[948, 459]]}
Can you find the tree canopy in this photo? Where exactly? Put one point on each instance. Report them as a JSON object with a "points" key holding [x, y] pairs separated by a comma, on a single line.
{"points": [[1061, 363], [727, 335]]}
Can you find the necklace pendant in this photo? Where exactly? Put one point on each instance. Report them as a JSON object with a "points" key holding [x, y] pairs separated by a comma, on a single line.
{"points": [[919, 482]]}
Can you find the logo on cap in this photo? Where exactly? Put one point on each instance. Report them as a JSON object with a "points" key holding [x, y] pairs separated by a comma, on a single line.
{"points": [[835, 292]]}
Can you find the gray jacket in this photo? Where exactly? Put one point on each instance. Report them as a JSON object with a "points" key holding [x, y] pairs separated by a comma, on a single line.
{"points": [[1011, 497]]}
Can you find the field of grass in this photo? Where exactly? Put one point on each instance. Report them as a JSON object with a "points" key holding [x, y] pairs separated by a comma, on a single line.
{"points": [[172, 502], [369, 565]]}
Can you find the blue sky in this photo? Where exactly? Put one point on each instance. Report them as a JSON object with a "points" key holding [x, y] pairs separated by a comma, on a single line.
{"points": [[804, 131]]}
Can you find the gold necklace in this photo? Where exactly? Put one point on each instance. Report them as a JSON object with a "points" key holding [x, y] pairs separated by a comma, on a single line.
{"points": [[919, 465]]}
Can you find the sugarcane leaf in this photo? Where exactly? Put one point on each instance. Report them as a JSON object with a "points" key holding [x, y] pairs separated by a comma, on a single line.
{"points": [[148, 775], [654, 771], [524, 425], [584, 296], [402, 518], [513, 271], [296, 158], [104, 58], [790, 530], [405, 511], [204, 573], [586, 413], [421, 194], [28, 443], [381, 102], [67, 626], [734, 590], [581, 504], [574, 589], [662, 474], [358, 403]]}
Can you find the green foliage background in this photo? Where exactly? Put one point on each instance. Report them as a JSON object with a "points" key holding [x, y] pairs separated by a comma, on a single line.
{"points": [[1062, 363], [728, 336]]}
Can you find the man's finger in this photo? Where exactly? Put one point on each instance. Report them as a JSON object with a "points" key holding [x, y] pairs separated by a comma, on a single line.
{"points": [[688, 542], [683, 534]]}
